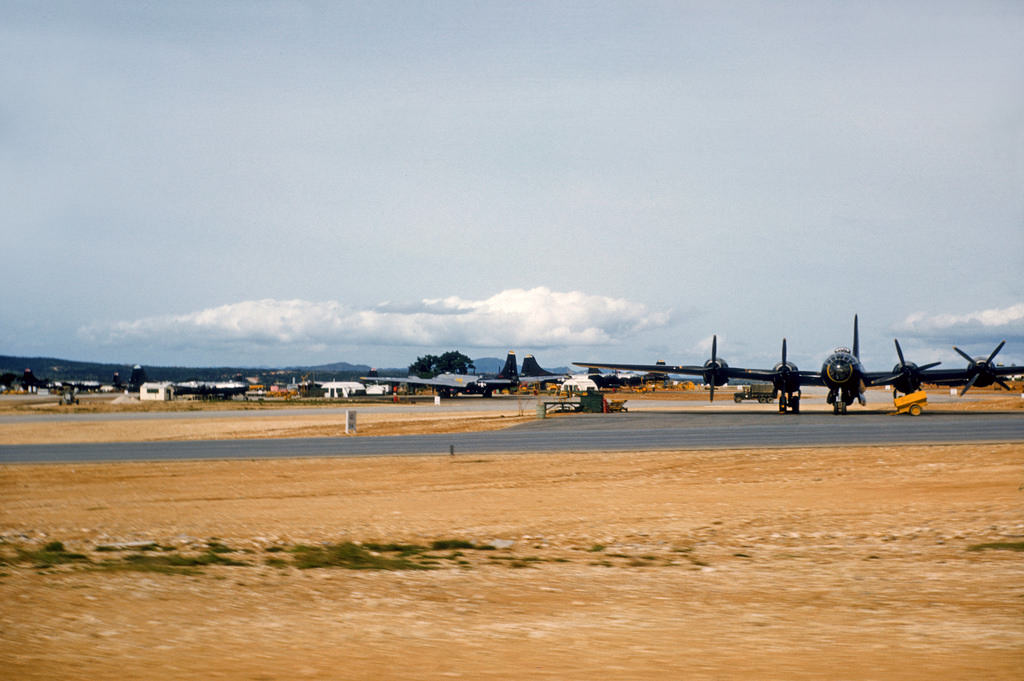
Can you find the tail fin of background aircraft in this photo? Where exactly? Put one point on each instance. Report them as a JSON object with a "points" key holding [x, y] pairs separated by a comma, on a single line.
{"points": [[509, 371], [531, 368], [137, 378], [856, 339]]}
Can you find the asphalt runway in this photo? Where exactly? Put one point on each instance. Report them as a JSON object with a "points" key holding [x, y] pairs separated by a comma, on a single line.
{"points": [[642, 431]]}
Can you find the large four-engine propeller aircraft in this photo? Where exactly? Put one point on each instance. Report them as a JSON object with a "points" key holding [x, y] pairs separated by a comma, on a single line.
{"points": [[842, 373]]}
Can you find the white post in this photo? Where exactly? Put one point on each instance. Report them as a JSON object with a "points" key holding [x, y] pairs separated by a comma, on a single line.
{"points": [[437, 400], [350, 422]]}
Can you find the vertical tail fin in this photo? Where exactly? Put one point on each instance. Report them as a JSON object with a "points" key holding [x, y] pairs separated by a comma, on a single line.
{"points": [[510, 371], [856, 339], [531, 368]]}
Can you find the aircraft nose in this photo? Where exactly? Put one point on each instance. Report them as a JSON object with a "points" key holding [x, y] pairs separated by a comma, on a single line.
{"points": [[839, 370]]}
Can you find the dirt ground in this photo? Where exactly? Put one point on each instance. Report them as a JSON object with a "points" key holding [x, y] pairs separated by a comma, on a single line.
{"points": [[831, 563]]}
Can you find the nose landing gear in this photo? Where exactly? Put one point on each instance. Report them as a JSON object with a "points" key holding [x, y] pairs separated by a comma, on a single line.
{"points": [[837, 401]]}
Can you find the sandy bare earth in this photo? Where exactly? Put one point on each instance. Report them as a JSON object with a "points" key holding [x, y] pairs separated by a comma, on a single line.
{"points": [[272, 425], [837, 563]]}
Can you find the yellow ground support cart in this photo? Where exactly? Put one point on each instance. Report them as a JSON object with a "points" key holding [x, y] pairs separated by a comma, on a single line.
{"points": [[617, 406], [912, 404]]}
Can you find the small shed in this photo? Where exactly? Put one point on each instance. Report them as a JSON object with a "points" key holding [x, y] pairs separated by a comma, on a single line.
{"points": [[158, 392]]}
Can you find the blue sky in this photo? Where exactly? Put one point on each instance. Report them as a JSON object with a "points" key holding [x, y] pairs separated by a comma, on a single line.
{"points": [[282, 183]]}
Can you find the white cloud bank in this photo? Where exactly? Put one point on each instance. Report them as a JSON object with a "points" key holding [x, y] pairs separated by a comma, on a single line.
{"points": [[535, 318], [1007, 322]]}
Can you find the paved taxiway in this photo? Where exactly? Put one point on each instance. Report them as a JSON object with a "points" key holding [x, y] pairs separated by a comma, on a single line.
{"points": [[619, 432]]}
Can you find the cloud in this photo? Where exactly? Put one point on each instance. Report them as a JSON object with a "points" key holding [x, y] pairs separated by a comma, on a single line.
{"points": [[979, 326], [535, 318]]}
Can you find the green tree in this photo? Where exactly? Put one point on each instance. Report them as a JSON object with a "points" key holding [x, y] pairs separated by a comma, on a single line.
{"points": [[423, 367], [452, 361]]}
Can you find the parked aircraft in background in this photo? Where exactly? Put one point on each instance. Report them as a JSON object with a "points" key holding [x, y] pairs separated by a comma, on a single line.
{"points": [[532, 373], [30, 383], [222, 389], [842, 373], [448, 384], [137, 378]]}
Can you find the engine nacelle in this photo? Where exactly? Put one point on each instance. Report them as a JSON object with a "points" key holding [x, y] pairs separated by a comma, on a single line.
{"points": [[712, 373]]}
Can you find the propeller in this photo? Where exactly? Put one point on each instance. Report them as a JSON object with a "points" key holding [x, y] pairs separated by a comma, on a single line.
{"points": [[981, 369], [784, 368], [907, 373], [714, 365]]}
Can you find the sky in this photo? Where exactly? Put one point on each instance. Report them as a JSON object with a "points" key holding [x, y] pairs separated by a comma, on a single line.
{"points": [[262, 183]]}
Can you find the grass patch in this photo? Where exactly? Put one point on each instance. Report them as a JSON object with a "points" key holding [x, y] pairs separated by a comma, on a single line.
{"points": [[349, 556], [596, 548], [403, 550], [451, 544], [52, 554], [214, 546], [517, 561], [174, 564], [998, 546], [145, 547]]}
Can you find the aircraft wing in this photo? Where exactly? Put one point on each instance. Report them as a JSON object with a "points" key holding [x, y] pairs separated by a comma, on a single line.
{"points": [[496, 382], [444, 380], [937, 377], [551, 378], [644, 368], [413, 380], [806, 377], [769, 375], [958, 376]]}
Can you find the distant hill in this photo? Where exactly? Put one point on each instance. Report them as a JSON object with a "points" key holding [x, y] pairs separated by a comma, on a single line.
{"points": [[334, 366], [488, 365], [52, 368]]}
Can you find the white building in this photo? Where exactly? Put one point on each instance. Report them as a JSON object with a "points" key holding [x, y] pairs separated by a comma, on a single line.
{"points": [[335, 389], [159, 392], [578, 383]]}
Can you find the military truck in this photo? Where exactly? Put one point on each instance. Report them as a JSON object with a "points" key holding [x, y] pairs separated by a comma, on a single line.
{"points": [[762, 392]]}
